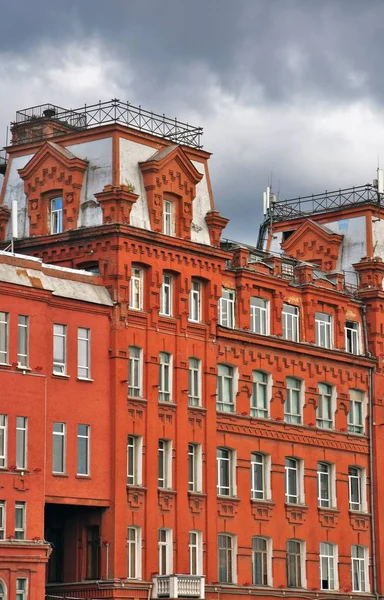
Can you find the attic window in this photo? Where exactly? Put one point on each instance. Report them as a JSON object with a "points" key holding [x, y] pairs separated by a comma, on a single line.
{"points": [[287, 234], [57, 215]]}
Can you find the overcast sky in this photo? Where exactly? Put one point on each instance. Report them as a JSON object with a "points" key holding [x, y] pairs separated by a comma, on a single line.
{"points": [[289, 87]]}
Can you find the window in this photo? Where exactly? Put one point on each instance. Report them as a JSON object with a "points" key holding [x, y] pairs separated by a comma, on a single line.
{"points": [[168, 218], [227, 308], [225, 396], [328, 567], [260, 474], [21, 442], [359, 569], [323, 323], [3, 591], [58, 451], [356, 412], [352, 337], [324, 412], [165, 380], [166, 296], [295, 564], [135, 372], [57, 215], [83, 353], [294, 489], [165, 551], [165, 464], [21, 588], [261, 561], [3, 440], [92, 557], [20, 520], [259, 316], [259, 398], [194, 382], [290, 317], [226, 472], [136, 289], [2, 521], [4, 333], [194, 467], [325, 485], [134, 459], [133, 553], [195, 553], [59, 349], [195, 302], [226, 558], [357, 489], [83, 435], [292, 405], [22, 341]]}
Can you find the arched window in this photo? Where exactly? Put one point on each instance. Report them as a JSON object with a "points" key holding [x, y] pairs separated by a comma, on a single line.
{"points": [[3, 591]]}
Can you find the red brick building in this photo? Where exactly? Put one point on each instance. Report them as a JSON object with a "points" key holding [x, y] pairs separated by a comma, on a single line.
{"points": [[180, 415]]}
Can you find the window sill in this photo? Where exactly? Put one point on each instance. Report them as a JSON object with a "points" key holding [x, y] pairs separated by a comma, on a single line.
{"points": [[137, 399], [197, 408], [165, 403], [85, 379], [60, 375], [21, 368], [60, 475], [79, 476], [231, 498]]}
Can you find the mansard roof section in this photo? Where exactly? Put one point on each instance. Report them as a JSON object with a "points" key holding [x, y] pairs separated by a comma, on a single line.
{"points": [[163, 157], [315, 243], [49, 151]]}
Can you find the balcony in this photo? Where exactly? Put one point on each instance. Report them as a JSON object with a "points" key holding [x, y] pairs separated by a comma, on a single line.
{"points": [[178, 586]]}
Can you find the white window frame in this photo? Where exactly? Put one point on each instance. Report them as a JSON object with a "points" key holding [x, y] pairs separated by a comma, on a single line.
{"points": [[21, 532], [324, 329], [359, 566], [228, 461], [296, 466], [83, 353], [291, 322], [23, 341], [194, 381], [166, 296], [84, 436], [56, 215], [195, 466], [352, 337], [260, 466], [261, 394], [4, 337], [226, 381], [134, 459], [21, 588], [326, 396], [134, 552], [195, 294], [165, 377], [168, 217], [3, 441], [60, 338], [165, 550], [328, 566], [136, 291], [21, 443], [3, 520], [60, 436], [266, 561], [301, 566], [227, 308], [356, 418], [326, 475], [259, 313], [195, 548], [164, 480], [3, 590], [357, 476], [230, 557], [293, 386], [135, 372]]}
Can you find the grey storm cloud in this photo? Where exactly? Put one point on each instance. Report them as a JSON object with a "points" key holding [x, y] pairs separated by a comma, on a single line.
{"points": [[289, 87]]}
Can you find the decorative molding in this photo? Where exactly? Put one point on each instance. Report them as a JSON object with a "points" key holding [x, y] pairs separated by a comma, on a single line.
{"points": [[196, 502], [262, 511], [166, 499], [116, 203], [227, 507], [296, 513], [328, 517], [359, 521], [135, 497]]}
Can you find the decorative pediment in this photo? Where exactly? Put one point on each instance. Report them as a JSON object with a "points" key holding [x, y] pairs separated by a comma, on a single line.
{"points": [[170, 173], [314, 243], [52, 171]]}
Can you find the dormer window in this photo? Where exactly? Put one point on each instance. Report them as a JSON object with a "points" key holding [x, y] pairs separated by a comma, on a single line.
{"points": [[168, 218], [57, 215]]}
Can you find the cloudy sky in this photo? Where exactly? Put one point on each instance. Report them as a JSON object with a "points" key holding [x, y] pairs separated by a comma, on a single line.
{"points": [[289, 87]]}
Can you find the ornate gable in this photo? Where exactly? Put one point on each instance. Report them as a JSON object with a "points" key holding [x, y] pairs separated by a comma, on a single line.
{"points": [[170, 174], [52, 172], [314, 243]]}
